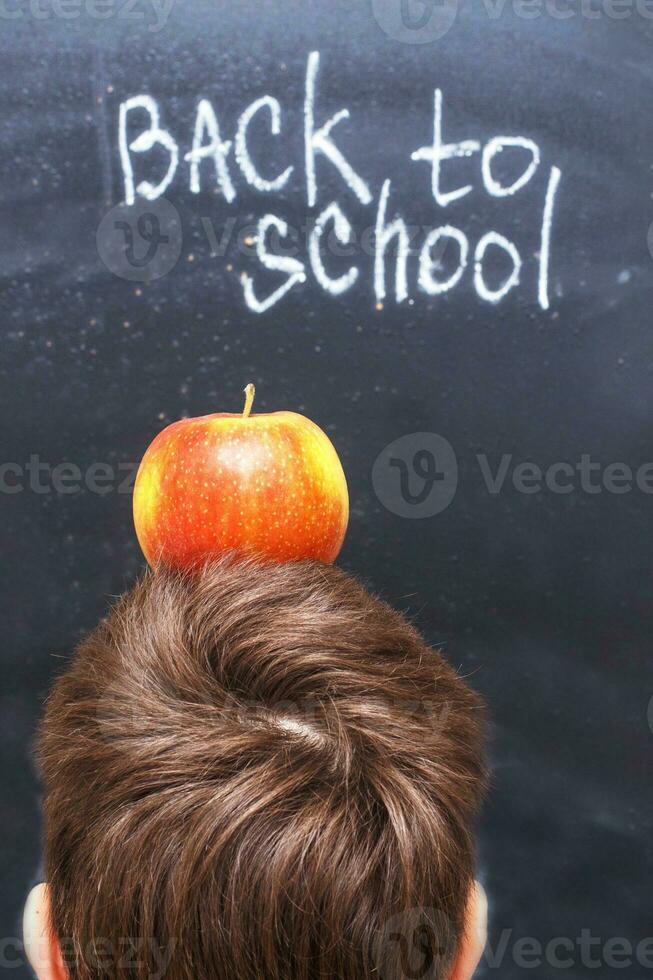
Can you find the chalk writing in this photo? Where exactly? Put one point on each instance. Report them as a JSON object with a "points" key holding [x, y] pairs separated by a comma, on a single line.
{"points": [[215, 162]]}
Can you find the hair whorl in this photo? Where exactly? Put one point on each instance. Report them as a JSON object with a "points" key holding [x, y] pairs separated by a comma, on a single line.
{"points": [[263, 773]]}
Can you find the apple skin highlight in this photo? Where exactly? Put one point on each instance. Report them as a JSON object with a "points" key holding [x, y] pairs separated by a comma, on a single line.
{"points": [[268, 484]]}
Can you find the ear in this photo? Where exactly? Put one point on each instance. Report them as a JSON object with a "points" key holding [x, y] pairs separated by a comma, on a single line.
{"points": [[41, 945], [473, 941]]}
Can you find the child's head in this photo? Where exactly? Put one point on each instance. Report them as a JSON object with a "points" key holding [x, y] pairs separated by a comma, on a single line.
{"points": [[260, 772]]}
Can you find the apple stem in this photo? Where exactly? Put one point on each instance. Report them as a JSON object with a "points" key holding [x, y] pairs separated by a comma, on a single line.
{"points": [[250, 391]]}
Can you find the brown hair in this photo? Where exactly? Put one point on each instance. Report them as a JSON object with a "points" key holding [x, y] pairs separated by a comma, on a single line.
{"points": [[259, 772]]}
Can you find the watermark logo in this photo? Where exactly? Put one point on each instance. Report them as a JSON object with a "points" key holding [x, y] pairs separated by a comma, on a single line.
{"points": [[153, 13], [66, 478], [415, 21], [418, 944], [416, 476], [425, 21], [140, 242], [569, 9]]}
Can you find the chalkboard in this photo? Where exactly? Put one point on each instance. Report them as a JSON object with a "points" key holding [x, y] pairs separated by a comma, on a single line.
{"points": [[425, 226]]}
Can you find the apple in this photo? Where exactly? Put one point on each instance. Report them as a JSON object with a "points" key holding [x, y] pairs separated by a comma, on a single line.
{"points": [[269, 484]]}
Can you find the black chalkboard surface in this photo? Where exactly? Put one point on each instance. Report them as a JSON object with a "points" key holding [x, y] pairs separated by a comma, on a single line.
{"points": [[453, 273]]}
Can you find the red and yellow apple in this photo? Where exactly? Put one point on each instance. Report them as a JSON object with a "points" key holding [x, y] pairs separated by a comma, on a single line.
{"points": [[267, 484]]}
